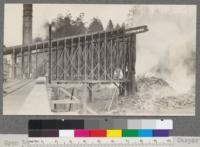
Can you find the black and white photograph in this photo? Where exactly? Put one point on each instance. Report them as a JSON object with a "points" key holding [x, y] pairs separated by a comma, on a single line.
{"points": [[99, 59]]}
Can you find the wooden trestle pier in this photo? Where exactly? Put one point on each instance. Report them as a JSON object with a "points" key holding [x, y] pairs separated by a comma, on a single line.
{"points": [[100, 57]]}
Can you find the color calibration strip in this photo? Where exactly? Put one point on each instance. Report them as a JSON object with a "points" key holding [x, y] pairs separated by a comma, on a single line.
{"points": [[99, 133], [100, 128]]}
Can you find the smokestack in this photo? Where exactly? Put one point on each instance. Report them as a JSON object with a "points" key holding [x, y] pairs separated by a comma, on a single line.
{"points": [[27, 23]]}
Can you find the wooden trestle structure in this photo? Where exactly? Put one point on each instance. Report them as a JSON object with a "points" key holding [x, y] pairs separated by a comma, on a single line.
{"points": [[101, 57]]}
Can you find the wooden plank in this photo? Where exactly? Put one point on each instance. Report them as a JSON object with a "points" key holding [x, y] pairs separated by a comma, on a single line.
{"points": [[69, 94], [89, 81], [90, 110], [112, 100], [37, 102], [64, 101]]}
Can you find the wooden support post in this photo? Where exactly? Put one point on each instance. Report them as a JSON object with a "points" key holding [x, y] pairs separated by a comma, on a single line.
{"points": [[85, 59], [78, 58], [124, 57], [44, 69], [36, 61], [64, 59], [14, 60], [122, 86], [71, 63], [117, 53], [29, 62], [92, 56], [56, 72], [134, 63], [105, 56], [90, 92], [111, 58], [84, 100], [54, 96], [131, 86], [98, 52], [72, 94], [22, 63], [49, 54]]}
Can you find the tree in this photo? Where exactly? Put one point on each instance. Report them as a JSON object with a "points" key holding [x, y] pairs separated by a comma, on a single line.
{"points": [[109, 26], [123, 26], [37, 39], [64, 26], [95, 25], [117, 26], [78, 25]]}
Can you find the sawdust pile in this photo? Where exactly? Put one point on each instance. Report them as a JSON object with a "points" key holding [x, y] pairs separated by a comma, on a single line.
{"points": [[156, 96]]}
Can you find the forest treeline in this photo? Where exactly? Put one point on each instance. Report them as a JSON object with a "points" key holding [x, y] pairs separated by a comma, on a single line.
{"points": [[64, 26]]}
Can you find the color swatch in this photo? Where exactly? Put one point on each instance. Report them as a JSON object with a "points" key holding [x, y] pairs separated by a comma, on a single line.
{"points": [[114, 133], [98, 133], [129, 133]]}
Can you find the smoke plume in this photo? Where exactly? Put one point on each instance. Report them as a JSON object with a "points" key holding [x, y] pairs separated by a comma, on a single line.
{"points": [[168, 49]]}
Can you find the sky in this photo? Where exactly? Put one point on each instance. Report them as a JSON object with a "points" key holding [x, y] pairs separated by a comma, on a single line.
{"points": [[46, 12]]}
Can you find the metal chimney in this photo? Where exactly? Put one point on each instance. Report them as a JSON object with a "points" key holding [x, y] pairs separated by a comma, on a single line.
{"points": [[27, 23]]}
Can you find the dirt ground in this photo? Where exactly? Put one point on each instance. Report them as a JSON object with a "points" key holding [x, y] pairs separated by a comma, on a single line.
{"points": [[154, 97]]}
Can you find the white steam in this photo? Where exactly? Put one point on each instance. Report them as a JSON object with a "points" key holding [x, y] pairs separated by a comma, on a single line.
{"points": [[168, 49]]}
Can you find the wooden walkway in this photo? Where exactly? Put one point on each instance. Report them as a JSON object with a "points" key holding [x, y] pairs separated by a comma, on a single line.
{"points": [[37, 102]]}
